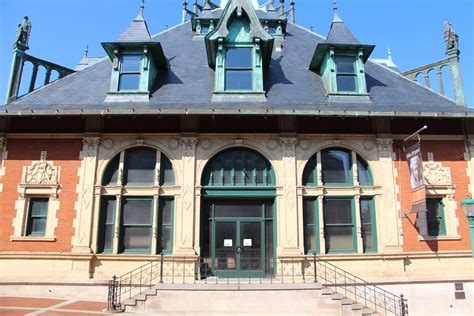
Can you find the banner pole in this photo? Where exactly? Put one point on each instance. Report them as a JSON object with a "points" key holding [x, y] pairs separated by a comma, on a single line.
{"points": [[417, 133]]}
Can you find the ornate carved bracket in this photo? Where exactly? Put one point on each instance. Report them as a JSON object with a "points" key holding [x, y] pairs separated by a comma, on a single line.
{"points": [[288, 146], [189, 145], [385, 147]]}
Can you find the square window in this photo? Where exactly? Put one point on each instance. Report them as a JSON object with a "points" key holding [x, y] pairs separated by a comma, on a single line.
{"points": [[129, 82], [345, 64], [131, 63], [37, 216]]}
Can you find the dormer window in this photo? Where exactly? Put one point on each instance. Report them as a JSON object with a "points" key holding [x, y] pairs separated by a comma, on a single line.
{"points": [[130, 73], [239, 48], [239, 69], [136, 62], [346, 77]]}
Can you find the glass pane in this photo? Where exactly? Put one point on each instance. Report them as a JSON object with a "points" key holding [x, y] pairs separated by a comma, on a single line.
{"points": [[346, 83], [367, 236], [227, 169], [268, 209], [39, 207], [136, 238], [131, 63], [309, 209], [260, 171], [109, 209], [309, 172], [166, 238], [249, 169], [166, 174], [238, 167], [363, 171], [338, 212], [108, 237], [111, 172], [238, 58], [129, 82], [204, 29], [339, 238], [226, 239], [269, 241], [432, 217], [238, 209], [251, 243], [238, 79], [38, 225], [345, 64], [167, 211], [140, 165], [336, 166], [309, 238], [365, 211], [137, 212], [216, 172]]}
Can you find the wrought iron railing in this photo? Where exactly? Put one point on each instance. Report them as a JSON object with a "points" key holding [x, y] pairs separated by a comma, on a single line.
{"points": [[361, 291], [194, 270]]}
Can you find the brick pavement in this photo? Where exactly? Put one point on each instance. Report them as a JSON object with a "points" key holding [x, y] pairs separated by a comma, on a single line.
{"points": [[15, 306]]}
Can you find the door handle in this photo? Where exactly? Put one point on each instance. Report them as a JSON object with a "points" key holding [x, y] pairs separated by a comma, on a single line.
{"points": [[239, 249]]}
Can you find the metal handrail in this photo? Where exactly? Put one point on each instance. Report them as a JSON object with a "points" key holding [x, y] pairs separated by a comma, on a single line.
{"points": [[252, 270], [362, 291]]}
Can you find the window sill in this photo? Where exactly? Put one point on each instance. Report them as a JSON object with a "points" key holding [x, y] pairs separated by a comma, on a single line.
{"points": [[239, 96], [438, 238], [128, 96], [31, 238], [343, 93]]}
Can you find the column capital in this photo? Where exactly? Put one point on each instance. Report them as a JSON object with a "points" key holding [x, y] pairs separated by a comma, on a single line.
{"points": [[288, 145], [385, 147], [188, 145], [91, 144]]}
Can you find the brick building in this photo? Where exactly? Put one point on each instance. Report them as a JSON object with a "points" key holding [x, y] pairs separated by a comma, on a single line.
{"points": [[286, 144]]}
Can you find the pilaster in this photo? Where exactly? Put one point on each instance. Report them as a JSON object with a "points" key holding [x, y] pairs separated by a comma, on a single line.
{"points": [[388, 216], [470, 163], [288, 212], [82, 240], [185, 209]]}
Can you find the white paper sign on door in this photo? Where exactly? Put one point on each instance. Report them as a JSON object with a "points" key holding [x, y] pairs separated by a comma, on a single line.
{"points": [[227, 242], [247, 242]]}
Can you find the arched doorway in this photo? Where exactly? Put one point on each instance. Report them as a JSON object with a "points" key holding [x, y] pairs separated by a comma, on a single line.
{"points": [[238, 215]]}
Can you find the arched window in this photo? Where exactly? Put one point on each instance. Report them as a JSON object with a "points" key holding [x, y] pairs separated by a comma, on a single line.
{"points": [[239, 168], [129, 217], [341, 203]]}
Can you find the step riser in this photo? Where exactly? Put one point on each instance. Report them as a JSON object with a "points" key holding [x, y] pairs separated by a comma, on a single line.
{"points": [[275, 302]]}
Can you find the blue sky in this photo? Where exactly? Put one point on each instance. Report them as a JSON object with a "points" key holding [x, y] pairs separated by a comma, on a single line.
{"points": [[412, 28]]}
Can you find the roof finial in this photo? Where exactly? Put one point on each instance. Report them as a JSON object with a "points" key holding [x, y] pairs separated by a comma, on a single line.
{"points": [[337, 18], [389, 54], [142, 8], [207, 5], [86, 51]]}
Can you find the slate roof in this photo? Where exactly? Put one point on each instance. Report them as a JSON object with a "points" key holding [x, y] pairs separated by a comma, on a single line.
{"points": [[187, 87]]}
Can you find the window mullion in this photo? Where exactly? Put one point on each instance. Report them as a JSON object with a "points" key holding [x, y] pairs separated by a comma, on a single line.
{"points": [[155, 225], [117, 226]]}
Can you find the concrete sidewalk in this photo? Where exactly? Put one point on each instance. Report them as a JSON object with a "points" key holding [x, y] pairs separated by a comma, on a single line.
{"points": [[13, 306]]}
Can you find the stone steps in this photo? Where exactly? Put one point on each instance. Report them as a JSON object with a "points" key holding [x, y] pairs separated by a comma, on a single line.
{"points": [[243, 299]]}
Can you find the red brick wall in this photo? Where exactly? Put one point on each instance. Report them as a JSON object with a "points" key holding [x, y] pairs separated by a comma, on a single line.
{"points": [[450, 154], [21, 152]]}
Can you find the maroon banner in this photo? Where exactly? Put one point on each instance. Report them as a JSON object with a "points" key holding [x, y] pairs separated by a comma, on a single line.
{"points": [[417, 181]]}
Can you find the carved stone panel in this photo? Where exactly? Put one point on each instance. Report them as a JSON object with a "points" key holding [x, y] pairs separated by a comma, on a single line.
{"points": [[41, 172], [436, 174]]}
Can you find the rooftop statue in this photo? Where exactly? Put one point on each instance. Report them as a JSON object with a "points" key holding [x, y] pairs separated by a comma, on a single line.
{"points": [[23, 32], [450, 37]]}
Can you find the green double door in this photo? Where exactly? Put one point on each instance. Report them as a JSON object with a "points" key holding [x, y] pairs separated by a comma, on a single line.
{"points": [[239, 248]]}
